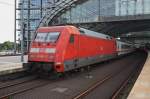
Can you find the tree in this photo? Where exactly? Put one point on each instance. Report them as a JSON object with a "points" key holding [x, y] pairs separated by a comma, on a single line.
{"points": [[6, 46]]}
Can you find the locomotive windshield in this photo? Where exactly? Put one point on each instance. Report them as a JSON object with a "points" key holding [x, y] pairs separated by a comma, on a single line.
{"points": [[47, 37]]}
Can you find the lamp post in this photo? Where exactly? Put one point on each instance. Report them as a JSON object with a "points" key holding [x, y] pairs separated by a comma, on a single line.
{"points": [[22, 31], [28, 26], [143, 8], [15, 44], [135, 4], [99, 5]]}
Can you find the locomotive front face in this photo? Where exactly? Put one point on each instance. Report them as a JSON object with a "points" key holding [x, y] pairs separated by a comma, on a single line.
{"points": [[43, 48]]}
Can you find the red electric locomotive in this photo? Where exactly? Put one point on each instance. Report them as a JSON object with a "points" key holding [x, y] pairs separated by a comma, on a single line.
{"points": [[64, 48]]}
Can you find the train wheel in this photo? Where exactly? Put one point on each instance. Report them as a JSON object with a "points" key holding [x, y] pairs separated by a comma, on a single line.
{"points": [[28, 67], [59, 75], [55, 75]]}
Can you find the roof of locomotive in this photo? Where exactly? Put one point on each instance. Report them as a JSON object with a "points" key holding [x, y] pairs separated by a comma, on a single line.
{"points": [[74, 30], [69, 28], [95, 34]]}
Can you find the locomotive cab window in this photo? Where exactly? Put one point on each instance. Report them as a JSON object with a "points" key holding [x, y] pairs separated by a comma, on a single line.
{"points": [[40, 37], [52, 37], [47, 37], [71, 39]]}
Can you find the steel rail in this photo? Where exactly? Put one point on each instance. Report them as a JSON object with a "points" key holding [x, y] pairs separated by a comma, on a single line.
{"points": [[92, 87], [17, 83], [8, 96], [126, 81], [98, 83]]}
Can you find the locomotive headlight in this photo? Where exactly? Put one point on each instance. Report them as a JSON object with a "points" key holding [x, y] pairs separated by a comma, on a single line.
{"points": [[50, 50], [34, 50]]}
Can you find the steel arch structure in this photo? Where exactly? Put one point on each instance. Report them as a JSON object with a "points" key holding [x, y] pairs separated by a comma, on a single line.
{"points": [[59, 8], [112, 25]]}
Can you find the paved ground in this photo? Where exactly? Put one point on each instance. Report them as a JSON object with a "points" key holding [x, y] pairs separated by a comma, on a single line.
{"points": [[141, 89], [9, 64], [11, 59]]}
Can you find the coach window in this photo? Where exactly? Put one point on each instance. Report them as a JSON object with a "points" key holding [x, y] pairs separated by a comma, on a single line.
{"points": [[71, 39]]}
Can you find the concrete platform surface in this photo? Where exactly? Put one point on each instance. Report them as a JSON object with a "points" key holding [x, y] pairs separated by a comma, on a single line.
{"points": [[11, 59], [141, 89], [11, 64]]}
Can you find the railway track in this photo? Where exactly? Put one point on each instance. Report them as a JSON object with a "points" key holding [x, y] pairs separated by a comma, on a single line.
{"points": [[131, 75], [17, 82], [9, 89], [102, 86], [13, 76], [128, 70]]}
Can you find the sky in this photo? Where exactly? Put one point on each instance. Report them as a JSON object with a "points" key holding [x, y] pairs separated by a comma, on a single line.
{"points": [[6, 20]]}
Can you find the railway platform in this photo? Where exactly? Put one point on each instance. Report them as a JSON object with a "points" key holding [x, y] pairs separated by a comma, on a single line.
{"points": [[141, 89], [11, 64]]}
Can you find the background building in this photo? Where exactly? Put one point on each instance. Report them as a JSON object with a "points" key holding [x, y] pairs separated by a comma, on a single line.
{"points": [[33, 11], [87, 11], [92, 10]]}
